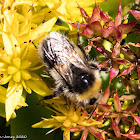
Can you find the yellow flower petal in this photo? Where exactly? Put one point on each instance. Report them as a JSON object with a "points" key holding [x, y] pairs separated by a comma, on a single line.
{"points": [[38, 85], [71, 110], [7, 43], [12, 101], [47, 123], [22, 100], [3, 65], [38, 18], [66, 135], [50, 3], [17, 51], [6, 59], [74, 117], [24, 28], [5, 79], [24, 51], [56, 100], [25, 87], [11, 87], [17, 76], [14, 40], [59, 27], [3, 92], [12, 70], [24, 2], [25, 75], [9, 17], [22, 103], [3, 113], [25, 64], [17, 62], [63, 109], [31, 51], [60, 118], [42, 29], [89, 122], [20, 17], [7, 3], [67, 123], [13, 22]]}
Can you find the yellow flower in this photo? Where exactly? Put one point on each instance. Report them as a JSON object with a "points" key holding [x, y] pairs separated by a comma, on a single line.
{"points": [[3, 94], [18, 69], [18, 56], [68, 118], [67, 9]]}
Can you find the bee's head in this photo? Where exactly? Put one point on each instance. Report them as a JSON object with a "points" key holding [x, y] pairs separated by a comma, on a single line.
{"points": [[82, 80], [86, 85]]}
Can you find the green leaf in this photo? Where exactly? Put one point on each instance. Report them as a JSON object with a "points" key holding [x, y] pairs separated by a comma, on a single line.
{"points": [[28, 116], [111, 6], [2, 110]]}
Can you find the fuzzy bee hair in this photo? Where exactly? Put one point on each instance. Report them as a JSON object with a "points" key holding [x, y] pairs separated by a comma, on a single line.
{"points": [[75, 77]]}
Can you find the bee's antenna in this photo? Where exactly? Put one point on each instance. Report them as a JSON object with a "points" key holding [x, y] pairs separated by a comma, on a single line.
{"points": [[78, 36], [79, 44], [34, 45], [92, 111]]}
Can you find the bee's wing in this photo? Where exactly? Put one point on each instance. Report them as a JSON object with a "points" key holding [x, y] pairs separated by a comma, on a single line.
{"points": [[60, 54]]}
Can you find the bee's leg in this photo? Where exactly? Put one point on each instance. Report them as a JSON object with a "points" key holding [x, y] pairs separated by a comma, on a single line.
{"points": [[105, 69], [80, 104], [95, 67], [56, 93], [79, 44], [48, 97]]}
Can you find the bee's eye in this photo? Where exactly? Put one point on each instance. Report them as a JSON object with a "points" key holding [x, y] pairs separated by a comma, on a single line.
{"points": [[84, 81]]}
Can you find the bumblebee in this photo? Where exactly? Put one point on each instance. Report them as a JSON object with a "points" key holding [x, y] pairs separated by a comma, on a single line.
{"points": [[75, 77]]}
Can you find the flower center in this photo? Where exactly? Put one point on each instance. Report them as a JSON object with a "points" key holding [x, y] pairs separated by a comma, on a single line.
{"points": [[19, 69]]}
